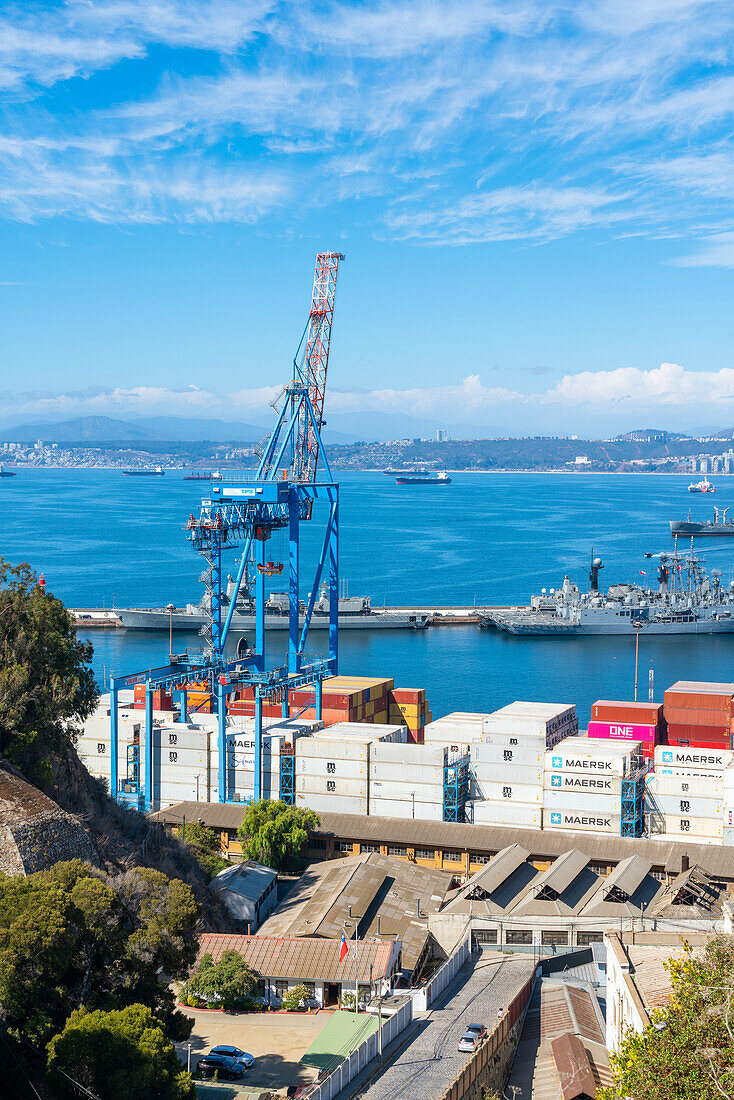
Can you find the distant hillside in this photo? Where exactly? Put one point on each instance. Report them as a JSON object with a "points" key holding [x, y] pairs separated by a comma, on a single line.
{"points": [[96, 429]]}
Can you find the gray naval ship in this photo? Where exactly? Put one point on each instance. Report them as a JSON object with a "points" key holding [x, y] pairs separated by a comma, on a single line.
{"points": [[355, 613], [719, 525], [687, 600]]}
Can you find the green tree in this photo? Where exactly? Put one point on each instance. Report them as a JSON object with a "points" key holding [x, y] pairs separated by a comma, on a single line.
{"points": [[275, 833], [119, 1055], [72, 936], [206, 846], [687, 1052], [46, 680], [227, 982]]}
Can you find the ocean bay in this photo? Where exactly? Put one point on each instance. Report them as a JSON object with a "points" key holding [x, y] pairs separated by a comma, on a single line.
{"points": [[487, 538]]}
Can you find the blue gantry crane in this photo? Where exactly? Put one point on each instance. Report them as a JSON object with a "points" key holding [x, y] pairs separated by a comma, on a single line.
{"points": [[248, 512]]}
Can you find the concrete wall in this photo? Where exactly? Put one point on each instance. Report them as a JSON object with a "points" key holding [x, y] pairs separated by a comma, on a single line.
{"points": [[360, 1058], [625, 1010], [424, 998]]}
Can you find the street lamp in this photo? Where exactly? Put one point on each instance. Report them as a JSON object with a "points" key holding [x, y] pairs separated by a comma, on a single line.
{"points": [[170, 608]]}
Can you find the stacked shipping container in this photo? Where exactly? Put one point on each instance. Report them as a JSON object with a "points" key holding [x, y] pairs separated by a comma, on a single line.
{"points": [[407, 783], [690, 794], [699, 714], [409, 707], [583, 783], [622, 721], [332, 766]]}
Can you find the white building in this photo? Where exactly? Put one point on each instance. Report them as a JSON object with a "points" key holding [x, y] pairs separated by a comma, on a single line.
{"points": [[249, 890]]}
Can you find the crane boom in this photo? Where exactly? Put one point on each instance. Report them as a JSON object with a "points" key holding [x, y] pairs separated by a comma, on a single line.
{"points": [[316, 360]]}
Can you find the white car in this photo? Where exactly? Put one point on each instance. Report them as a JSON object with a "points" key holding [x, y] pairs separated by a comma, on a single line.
{"points": [[235, 1053]]}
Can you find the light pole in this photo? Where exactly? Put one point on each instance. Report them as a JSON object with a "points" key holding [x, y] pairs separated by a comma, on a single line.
{"points": [[638, 627], [170, 608]]}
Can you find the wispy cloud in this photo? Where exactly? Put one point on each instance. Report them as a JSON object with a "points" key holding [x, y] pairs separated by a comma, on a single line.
{"points": [[487, 120]]}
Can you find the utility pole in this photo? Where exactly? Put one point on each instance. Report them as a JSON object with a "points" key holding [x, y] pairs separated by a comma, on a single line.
{"points": [[637, 653]]}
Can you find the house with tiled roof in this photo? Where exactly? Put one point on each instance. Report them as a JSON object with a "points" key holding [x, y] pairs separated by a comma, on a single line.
{"points": [[282, 962]]}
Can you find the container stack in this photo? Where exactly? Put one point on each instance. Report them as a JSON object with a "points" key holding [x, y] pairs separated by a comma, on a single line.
{"points": [[583, 784], [457, 730], [551, 721], [343, 699], [409, 707], [687, 796], [506, 776], [94, 745], [332, 766], [162, 700], [699, 714], [181, 768], [407, 783], [615, 720]]}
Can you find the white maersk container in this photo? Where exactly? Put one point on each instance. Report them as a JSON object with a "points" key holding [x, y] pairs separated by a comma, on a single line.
{"points": [[570, 821], [402, 790], [507, 791], [685, 784], [589, 782], [593, 755], [393, 807], [530, 775], [680, 756], [321, 747], [677, 804], [574, 802], [522, 815], [328, 804]]}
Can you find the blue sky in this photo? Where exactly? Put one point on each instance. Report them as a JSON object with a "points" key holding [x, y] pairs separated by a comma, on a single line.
{"points": [[535, 199]]}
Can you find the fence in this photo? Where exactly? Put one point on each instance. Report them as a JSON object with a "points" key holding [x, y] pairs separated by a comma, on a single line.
{"points": [[339, 1078], [492, 1044], [424, 998]]}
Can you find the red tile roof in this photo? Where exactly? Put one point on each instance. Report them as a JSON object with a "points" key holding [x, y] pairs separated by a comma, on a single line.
{"points": [[307, 958]]}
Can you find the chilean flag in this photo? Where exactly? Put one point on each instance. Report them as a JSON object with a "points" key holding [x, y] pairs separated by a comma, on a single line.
{"points": [[343, 950]]}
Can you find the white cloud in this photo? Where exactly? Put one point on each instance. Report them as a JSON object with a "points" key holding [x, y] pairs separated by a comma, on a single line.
{"points": [[713, 251], [668, 384]]}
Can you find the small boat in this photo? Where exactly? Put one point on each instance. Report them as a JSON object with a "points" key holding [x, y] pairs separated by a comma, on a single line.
{"points": [[144, 471], [703, 486], [439, 478], [6, 473]]}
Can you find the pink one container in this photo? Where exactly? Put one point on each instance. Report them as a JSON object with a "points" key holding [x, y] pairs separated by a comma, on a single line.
{"points": [[623, 731]]}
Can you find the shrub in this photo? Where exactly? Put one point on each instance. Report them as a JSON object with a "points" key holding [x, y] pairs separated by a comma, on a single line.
{"points": [[295, 997]]}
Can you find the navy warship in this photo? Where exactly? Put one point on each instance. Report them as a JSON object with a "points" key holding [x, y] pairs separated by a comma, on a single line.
{"points": [[687, 600], [719, 525]]}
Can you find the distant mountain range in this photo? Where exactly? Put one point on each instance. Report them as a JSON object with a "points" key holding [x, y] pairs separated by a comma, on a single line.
{"points": [[340, 428]]}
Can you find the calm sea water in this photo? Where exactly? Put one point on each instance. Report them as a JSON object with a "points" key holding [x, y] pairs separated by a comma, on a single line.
{"points": [[100, 537]]}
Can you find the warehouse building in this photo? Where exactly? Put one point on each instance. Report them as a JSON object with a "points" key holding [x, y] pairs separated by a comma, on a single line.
{"points": [[461, 849], [249, 890]]}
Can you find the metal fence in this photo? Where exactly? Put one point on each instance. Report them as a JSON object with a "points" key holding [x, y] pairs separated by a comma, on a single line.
{"points": [[340, 1077]]}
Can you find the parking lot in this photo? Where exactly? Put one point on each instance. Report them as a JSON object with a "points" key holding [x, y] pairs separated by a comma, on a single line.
{"points": [[277, 1041]]}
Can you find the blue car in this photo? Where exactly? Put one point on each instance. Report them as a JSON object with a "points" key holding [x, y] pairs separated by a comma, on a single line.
{"points": [[226, 1069], [235, 1053]]}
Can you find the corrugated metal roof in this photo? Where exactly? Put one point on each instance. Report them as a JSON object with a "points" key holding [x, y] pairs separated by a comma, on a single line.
{"points": [[484, 839], [494, 873], [562, 872], [649, 973], [303, 957], [249, 880], [627, 875]]}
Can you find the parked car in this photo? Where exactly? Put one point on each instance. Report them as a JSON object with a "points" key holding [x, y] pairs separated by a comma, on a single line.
{"points": [[468, 1043], [235, 1053], [227, 1069], [478, 1030]]}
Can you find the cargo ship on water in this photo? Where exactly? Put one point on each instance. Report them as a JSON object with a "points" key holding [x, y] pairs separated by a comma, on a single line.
{"points": [[719, 525], [703, 486], [144, 471], [355, 613], [438, 478], [6, 473], [687, 600]]}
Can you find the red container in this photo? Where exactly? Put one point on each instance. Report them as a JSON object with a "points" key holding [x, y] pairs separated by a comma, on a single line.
{"points": [[699, 733], [698, 716], [644, 714], [707, 697], [713, 746], [409, 695]]}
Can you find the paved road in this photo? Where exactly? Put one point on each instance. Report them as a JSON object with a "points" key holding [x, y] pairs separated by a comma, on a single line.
{"points": [[431, 1061]]}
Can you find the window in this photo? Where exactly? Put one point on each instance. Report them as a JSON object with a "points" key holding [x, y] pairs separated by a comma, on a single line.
{"points": [[311, 987], [425, 853], [452, 857], [518, 935], [599, 869], [583, 939], [552, 937], [485, 935], [478, 857], [396, 850], [317, 842], [281, 988], [369, 847], [344, 846], [659, 874]]}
